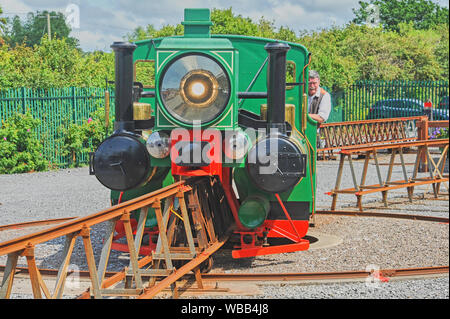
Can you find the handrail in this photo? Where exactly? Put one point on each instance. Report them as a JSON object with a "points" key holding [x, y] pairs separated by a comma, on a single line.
{"points": [[368, 132]]}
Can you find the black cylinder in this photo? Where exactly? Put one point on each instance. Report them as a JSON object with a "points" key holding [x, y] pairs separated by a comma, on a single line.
{"points": [[276, 85], [124, 85], [122, 162]]}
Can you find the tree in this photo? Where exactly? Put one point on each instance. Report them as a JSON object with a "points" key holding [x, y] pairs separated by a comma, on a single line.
{"points": [[2, 23], [441, 50], [141, 34], [53, 64], [31, 31], [424, 14], [16, 34], [224, 22]]}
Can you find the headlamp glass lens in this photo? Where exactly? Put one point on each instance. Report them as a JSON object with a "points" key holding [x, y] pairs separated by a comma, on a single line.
{"points": [[195, 87]]}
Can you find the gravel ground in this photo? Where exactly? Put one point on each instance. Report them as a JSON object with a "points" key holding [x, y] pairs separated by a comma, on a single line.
{"points": [[365, 242], [405, 289], [390, 243], [326, 180], [53, 194]]}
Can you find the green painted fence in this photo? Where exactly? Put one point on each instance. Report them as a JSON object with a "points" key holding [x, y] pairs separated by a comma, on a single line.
{"points": [[59, 107], [383, 99], [55, 108]]}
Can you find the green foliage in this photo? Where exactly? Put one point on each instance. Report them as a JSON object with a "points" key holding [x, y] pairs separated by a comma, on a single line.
{"points": [[345, 55], [150, 32], [72, 143], [342, 55], [141, 34], [77, 139], [20, 151], [30, 31], [423, 14], [95, 130], [439, 132], [2, 25], [337, 69], [53, 64], [441, 50], [225, 22], [145, 73]]}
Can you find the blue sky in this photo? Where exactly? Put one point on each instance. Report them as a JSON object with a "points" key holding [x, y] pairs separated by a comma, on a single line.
{"points": [[103, 22]]}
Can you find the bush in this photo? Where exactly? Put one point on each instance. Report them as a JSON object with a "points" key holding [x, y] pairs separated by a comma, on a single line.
{"points": [[20, 151], [72, 142], [83, 138], [53, 64], [95, 130]]}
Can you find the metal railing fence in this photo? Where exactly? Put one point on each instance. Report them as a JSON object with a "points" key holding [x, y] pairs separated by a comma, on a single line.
{"points": [[56, 108], [366, 100]]}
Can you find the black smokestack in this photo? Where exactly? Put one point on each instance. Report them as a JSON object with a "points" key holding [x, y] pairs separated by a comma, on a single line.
{"points": [[276, 85], [124, 85]]}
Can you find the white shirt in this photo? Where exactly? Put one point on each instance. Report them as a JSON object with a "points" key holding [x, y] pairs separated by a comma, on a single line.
{"points": [[324, 106]]}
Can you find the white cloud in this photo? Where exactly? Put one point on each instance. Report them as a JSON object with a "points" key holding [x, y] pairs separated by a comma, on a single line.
{"points": [[288, 13], [14, 7], [92, 40]]}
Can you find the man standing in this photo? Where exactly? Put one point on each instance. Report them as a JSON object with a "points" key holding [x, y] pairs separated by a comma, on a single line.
{"points": [[319, 100]]}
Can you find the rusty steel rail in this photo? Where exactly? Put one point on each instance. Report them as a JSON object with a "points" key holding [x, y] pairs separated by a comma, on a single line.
{"points": [[170, 247], [335, 136], [170, 280], [79, 224], [25, 245], [35, 223], [382, 274], [112, 278], [383, 215], [351, 274]]}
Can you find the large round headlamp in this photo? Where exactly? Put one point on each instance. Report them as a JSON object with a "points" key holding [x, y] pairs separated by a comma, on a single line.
{"points": [[195, 87]]}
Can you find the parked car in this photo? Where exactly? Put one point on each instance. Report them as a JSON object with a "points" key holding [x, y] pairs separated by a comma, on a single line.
{"points": [[405, 108], [441, 112]]}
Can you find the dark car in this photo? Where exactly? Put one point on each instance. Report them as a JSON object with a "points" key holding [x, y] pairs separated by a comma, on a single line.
{"points": [[441, 111], [404, 108]]}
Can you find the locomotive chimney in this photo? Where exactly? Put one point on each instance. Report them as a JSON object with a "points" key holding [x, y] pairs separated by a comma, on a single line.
{"points": [[124, 85], [276, 85]]}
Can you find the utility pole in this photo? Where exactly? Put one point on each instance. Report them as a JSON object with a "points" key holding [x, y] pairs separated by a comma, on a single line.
{"points": [[49, 27]]}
